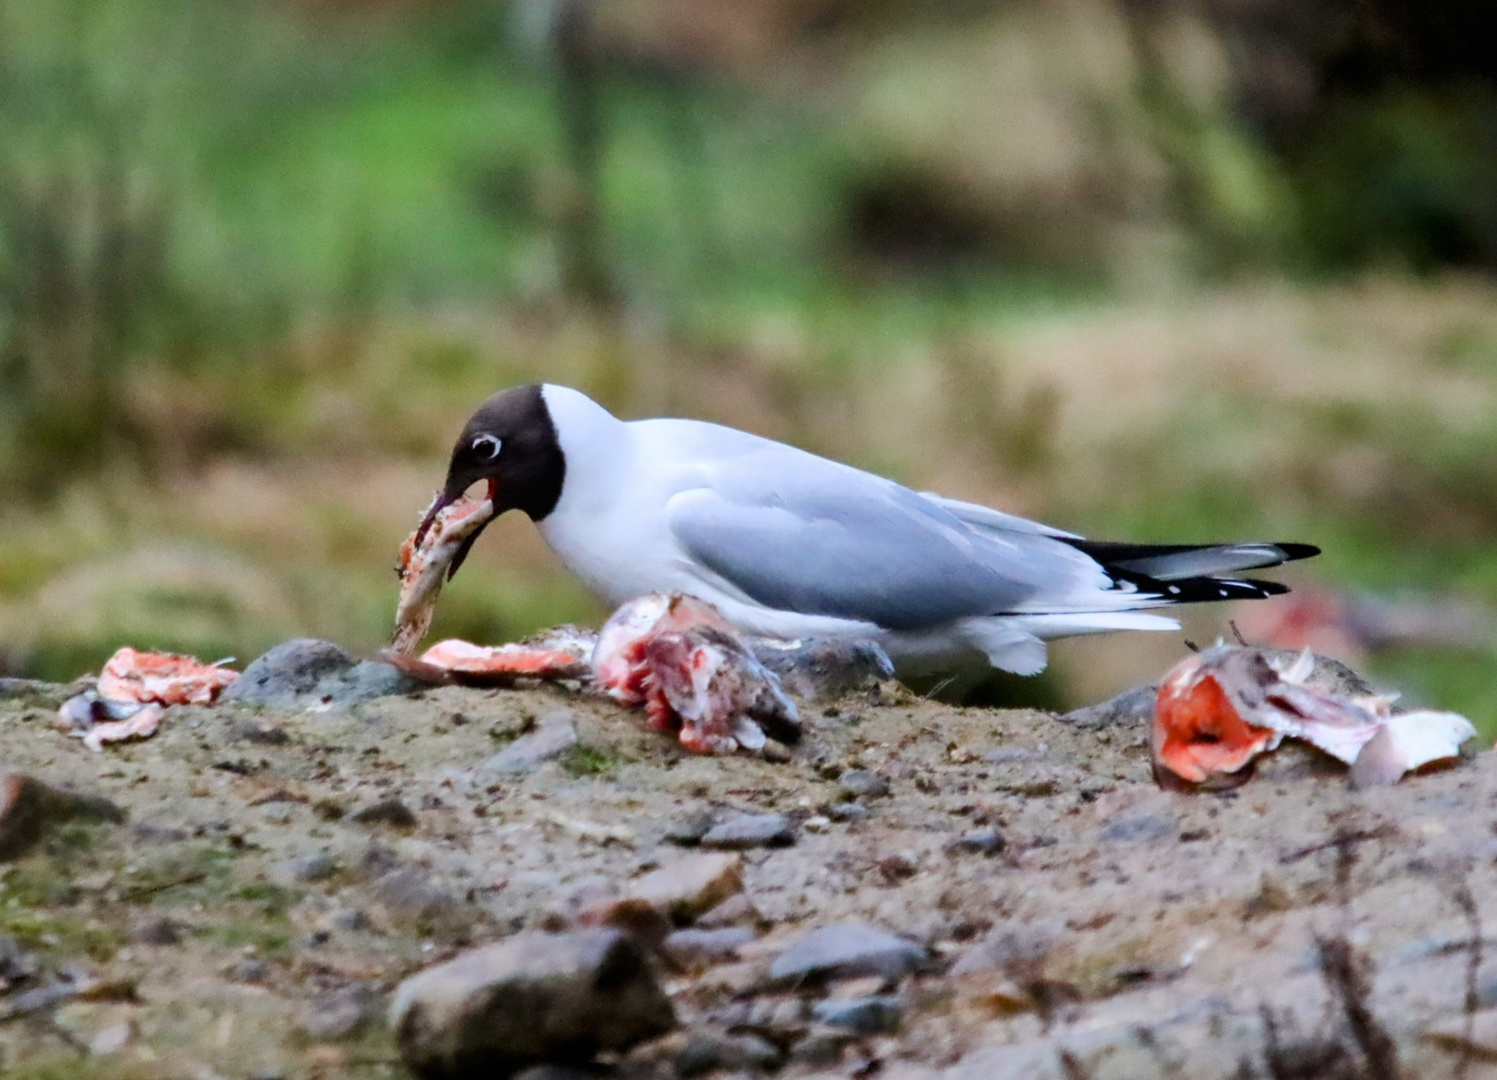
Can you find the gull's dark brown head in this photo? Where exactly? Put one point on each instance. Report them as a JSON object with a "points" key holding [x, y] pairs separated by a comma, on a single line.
{"points": [[509, 444]]}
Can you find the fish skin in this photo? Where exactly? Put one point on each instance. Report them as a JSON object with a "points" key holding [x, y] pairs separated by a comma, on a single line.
{"points": [[423, 568]]}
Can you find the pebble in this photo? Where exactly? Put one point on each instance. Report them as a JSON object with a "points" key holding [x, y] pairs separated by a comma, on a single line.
{"points": [[156, 932], [984, 842], [783, 1019], [1141, 828], [314, 866], [351, 919], [821, 1047], [16, 964], [338, 1015], [862, 784], [707, 1052], [878, 1014], [390, 812], [556, 1072], [734, 911], [688, 887], [745, 831], [702, 948], [846, 950], [1011, 944], [689, 830], [412, 897], [1132, 708], [820, 669], [111, 1039], [256, 733], [29, 808], [307, 673], [553, 736], [848, 812], [250, 971], [775, 751], [530, 999]]}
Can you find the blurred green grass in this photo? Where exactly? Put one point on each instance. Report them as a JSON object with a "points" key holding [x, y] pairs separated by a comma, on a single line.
{"points": [[256, 266]]}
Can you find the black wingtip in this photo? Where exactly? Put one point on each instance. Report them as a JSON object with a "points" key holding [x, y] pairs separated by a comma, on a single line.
{"points": [[1209, 589], [1293, 552]]}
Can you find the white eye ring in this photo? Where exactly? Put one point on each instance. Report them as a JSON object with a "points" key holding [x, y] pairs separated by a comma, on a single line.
{"points": [[486, 446]]}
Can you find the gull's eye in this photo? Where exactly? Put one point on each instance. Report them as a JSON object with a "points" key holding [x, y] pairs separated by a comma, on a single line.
{"points": [[486, 447]]}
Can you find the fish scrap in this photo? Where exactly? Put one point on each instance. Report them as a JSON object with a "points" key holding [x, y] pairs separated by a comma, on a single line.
{"points": [[1218, 711], [427, 559], [693, 673], [164, 678], [561, 654], [672, 654], [133, 691]]}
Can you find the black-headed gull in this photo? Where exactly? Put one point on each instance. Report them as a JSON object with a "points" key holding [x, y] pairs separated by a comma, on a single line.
{"points": [[790, 545]]}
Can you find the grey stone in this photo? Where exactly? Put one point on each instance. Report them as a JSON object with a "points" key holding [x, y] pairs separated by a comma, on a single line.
{"points": [[821, 1047], [710, 1051], [46, 695], [410, 896], [782, 1019], [690, 885], [1011, 945], [877, 1014], [314, 866], [157, 932], [558, 1072], [701, 948], [530, 999], [983, 842], [111, 1039], [250, 971], [339, 1014], [1141, 828], [16, 964], [818, 669], [734, 911], [688, 831], [862, 784], [256, 733], [372, 679], [306, 672], [553, 736], [290, 672], [848, 812], [847, 950], [744, 831], [1131, 708], [350, 919]]}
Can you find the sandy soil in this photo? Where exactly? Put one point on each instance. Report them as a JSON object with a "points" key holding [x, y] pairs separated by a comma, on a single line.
{"points": [[1130, 933]]}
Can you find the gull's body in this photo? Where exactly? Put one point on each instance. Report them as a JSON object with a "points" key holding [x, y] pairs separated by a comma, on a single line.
{"points": [[789, 545]]}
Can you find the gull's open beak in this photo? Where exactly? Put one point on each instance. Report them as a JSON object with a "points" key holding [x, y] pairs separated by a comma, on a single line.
{"points": [[449, 496], [443, 502]]}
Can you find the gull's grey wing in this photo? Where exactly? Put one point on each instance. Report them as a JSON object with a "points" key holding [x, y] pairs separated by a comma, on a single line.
{"points": [[996, 521], [799, 533]]}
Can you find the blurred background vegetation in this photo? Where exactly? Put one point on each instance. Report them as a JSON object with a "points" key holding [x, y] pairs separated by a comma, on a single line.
{"points": [[1148, 269]]}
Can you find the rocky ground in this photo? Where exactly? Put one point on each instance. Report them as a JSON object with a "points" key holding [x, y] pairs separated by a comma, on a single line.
{"points": [[915, 890]]}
